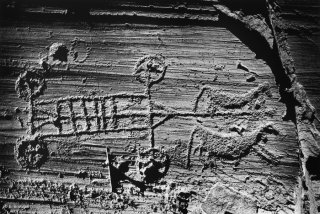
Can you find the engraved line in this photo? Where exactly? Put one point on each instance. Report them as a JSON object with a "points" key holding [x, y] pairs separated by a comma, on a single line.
{"points": [[97, 115], [103, 113], [72, 133], [72, 116], [89, 98], [85, 114]]}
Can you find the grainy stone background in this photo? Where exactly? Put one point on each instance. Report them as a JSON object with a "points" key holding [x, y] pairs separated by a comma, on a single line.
{"points": [[230, 110]]}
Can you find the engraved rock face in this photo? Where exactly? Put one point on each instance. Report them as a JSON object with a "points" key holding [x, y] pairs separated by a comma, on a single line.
{"points": [[30, 84], [217, 118], [232, 146], [59, 52], [31, 154], [221, 200], [152, 165], [150, 69], [213, 100]]}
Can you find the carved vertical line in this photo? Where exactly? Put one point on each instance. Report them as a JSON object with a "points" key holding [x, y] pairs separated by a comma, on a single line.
{"points": [[85, 114], [197, 98], [190, 147], [58, 119], [31, 117], [112, 171], [103, 113], [151, 131], [150, 109], [72, 116], [113, 113], [97, 116]]}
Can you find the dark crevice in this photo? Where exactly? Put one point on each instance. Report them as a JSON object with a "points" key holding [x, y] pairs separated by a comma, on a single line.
{"points": [[83, 16], [313, 167], [249, 7], [257, 44]]}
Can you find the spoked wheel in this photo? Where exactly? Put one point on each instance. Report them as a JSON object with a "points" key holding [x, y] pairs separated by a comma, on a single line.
{"points": [[150, 69], [31, 154], [152, 165], [31, 84]]}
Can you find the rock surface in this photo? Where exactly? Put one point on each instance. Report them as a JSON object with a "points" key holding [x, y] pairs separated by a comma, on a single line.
{"points": [[151, 107], [221, 200]]}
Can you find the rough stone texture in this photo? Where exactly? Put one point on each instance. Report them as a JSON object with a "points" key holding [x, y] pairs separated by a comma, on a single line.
{"points": [[285, 23], [110, 80], [221, 200]]}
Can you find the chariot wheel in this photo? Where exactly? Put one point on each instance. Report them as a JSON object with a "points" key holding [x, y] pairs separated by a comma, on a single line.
{"points": [[30, 84], [152, 165], [150, 69], [31, 154]]}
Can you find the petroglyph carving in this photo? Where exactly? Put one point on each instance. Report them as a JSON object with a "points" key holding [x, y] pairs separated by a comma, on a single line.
{"points": [[98, 114], [30, 85], [57, 54], [150, 68], [31, 154], [60, 54], [59, 51], [214, 100], [152, 165], [75, 49], [127, 112], [230, 146]]}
